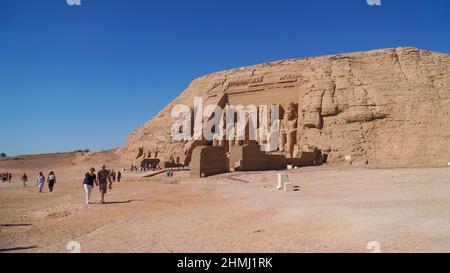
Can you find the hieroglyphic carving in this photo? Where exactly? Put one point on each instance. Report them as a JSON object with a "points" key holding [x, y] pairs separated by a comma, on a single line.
{"points": [[289, 78], [250, 81]]}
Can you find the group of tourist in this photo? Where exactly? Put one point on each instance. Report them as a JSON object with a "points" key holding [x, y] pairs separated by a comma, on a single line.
{"points": [[147, 167], [51, 181], [5, 177], [101, 180], [115, 175], [169, 173], [151, 167]]}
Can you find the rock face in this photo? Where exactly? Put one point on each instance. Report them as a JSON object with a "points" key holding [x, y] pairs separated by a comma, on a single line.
{"points": [[388, 107]]}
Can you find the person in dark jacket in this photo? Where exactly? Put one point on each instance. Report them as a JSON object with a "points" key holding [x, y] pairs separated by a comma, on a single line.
{"points": [[51, 180], [88, 183]]}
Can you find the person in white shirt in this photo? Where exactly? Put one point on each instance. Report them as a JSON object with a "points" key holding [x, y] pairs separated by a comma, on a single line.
{"points": [[40, 181]]}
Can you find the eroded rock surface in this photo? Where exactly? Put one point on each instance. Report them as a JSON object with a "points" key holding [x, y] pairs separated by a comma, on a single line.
{"points": [[382, 107]]}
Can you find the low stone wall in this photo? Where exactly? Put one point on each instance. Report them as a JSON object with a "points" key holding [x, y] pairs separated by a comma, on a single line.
{"points": [[249, 157], [208, 160]]}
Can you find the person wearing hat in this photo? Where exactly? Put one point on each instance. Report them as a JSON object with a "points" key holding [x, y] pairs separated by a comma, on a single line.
{"points": [[102, 182]]}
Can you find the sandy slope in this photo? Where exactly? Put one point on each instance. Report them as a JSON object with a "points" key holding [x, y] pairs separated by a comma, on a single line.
{"points": [[337, 209]]}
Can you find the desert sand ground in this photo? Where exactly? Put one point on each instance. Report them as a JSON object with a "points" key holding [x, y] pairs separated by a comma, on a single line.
{"points": [[337, 209]]}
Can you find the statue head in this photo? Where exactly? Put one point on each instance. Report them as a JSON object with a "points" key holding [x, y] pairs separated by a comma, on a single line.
{"points": [[291, 111]]}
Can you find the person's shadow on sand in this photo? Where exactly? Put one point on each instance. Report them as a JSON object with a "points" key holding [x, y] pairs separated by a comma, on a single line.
{"points": [[122, 202], [17, 248], [15, 225]]}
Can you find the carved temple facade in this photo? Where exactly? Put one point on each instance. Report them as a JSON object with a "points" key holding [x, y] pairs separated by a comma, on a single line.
{"points": [[386, 107]]}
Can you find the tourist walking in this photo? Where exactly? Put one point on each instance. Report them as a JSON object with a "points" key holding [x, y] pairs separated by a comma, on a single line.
{"points": [[102, 179], [24, 179], [88, 184], [51, 180], [40, 182], [119, 176], [113, 174]]}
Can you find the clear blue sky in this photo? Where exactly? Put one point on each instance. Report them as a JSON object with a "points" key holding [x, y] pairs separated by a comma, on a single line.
{"points": [[76, 77]]}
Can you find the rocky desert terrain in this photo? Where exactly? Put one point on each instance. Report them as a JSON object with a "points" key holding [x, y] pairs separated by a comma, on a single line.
{"points": [[338, 208], [381, 118], [386, 107]]}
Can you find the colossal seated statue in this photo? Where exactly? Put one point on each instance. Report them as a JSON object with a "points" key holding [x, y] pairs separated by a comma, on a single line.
{"points": [[288, 130]]}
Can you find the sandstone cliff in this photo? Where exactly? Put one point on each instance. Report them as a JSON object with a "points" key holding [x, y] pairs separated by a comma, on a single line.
{"points": [[387, 107]]}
